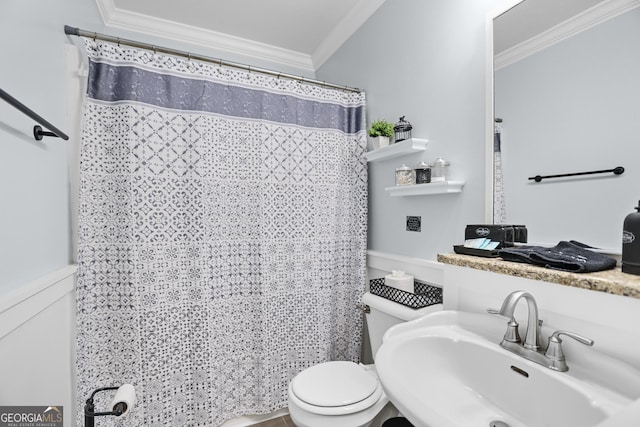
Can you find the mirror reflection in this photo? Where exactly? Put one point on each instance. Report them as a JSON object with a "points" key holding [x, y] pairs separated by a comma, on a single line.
{"points": [[567, 88]]}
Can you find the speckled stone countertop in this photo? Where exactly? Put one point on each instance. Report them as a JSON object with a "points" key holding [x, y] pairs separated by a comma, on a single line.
{"points": [[610, 281]]}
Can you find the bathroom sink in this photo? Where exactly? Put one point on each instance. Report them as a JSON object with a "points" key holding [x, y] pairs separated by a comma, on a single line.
{"points": [[447, 369]]}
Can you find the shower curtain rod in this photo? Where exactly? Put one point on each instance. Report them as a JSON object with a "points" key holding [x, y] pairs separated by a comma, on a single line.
{"points": [[82, 33]]}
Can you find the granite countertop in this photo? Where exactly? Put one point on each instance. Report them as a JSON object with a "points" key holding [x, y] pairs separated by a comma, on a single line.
{"points": [[610, 281]]}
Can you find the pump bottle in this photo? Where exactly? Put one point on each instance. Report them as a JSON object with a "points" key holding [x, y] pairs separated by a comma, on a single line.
{"points": [[631, 243]]}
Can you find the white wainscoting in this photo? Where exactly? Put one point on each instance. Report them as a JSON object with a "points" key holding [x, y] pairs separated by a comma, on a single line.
{"points": [[37, 343], [380, 264]]}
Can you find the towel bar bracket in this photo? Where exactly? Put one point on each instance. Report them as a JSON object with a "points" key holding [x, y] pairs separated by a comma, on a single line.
{"points": [[39, 133]]}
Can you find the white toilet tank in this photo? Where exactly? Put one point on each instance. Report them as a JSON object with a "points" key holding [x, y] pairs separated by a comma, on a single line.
{"points": [[384, 313]]}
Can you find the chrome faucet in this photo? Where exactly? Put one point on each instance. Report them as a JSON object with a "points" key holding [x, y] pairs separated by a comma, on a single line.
{"points": [[552, 357], [532, 337]]}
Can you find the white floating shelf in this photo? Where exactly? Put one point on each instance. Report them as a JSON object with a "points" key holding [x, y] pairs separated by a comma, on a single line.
{"points": [[398, 149], [444, 187]]}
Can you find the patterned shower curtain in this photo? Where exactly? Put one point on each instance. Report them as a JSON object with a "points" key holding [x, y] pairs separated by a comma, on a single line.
{"points": [[222, 235], [499, 205]]}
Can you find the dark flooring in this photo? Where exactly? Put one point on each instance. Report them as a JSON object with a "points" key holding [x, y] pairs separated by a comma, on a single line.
{"points": [[278, 422]]}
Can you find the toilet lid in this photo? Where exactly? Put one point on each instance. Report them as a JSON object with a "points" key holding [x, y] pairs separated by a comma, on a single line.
{"points": [[333, 384]]}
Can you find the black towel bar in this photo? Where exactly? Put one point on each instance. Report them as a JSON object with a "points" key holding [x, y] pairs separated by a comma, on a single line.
{"points": [[38, 133], [617, 171]]}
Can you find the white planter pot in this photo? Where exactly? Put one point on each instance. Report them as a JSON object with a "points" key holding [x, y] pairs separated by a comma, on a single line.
{"points": [[379, 142]]}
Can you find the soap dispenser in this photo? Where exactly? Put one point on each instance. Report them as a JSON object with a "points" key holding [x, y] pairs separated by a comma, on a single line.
{"points": [[631, 243]]}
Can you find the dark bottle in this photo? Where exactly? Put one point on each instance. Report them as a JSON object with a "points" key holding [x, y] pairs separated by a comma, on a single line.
{"points": [[631, 243]]}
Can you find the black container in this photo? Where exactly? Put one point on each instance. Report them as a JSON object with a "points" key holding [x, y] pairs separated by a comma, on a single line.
{"points": [[424, 296], [520, 233], [402, 130], [423, 173], [631, 243], [495, 232]]}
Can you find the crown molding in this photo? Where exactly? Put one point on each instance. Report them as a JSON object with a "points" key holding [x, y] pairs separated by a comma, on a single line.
{"points": [[569, 28], [351, 22], [157, 27]]}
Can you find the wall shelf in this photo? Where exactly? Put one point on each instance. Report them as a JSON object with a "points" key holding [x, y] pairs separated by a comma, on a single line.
{"points": [[398, 149], [445, 187]]}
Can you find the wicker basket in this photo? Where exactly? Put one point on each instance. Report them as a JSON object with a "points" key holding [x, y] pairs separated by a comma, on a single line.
{"points": [[424, 296]]}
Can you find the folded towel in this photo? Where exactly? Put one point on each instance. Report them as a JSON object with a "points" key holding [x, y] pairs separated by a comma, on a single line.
{"points": [[566, 256]]}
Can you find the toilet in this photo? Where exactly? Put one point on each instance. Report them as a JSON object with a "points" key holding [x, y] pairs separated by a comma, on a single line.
{"points": [[346, 394]]}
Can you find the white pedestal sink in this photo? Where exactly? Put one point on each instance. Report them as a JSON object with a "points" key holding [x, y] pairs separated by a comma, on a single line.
{"points": [[448, 370]]}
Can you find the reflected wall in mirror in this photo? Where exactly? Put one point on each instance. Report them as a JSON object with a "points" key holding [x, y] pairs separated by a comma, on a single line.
{"points": [[570, 102]]}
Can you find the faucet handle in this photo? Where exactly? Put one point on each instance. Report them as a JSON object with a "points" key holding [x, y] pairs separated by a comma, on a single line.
{"points": [[499, 312], [511, 334], [554, 350]]}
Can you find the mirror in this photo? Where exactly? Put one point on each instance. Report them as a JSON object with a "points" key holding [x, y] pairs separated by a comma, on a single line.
{"points": [[567, 88]]}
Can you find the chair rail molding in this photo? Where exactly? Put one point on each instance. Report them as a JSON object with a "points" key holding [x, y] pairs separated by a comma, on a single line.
{"points": [[26, 302]]}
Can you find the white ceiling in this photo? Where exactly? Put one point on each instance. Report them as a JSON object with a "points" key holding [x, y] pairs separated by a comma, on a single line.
{"points": [[294, 33]]}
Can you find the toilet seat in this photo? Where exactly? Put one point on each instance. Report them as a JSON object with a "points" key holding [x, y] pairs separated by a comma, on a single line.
{"points": [[335, 388]]}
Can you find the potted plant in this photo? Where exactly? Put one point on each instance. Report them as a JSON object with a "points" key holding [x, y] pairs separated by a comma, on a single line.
{"points": [[380, 131]]}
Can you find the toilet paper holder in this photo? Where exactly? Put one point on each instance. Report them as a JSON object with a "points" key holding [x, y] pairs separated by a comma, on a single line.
{"points": [[122, 402]]}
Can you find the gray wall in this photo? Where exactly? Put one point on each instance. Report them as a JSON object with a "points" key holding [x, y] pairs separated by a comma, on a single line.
{"points": [[34, 196], [424, 59], [569, 108], [34, 219]]}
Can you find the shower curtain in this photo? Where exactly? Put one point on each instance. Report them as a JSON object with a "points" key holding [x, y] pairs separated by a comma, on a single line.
{"points": [[499, 205], [222, 235]]}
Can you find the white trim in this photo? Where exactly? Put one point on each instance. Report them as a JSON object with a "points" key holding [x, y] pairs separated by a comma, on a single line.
{"points": [[24, 303], [162, 28], [489, 107], [353, 20], [489, 112], [569, 28]]}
